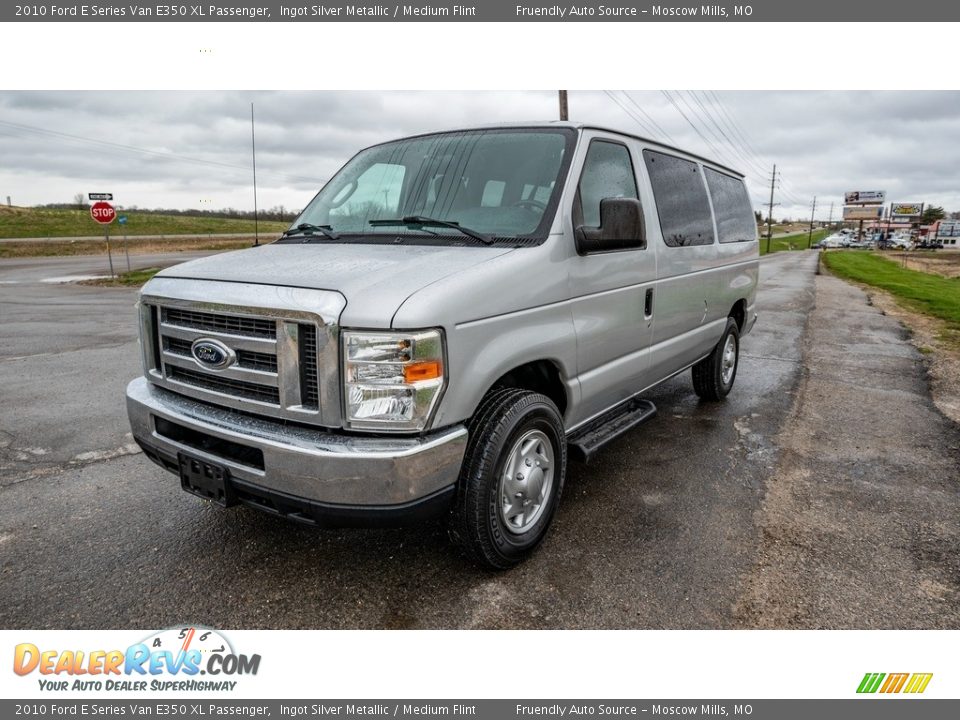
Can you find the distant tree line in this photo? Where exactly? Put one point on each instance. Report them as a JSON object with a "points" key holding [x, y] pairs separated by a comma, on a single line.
{"points": [[278, 212]]}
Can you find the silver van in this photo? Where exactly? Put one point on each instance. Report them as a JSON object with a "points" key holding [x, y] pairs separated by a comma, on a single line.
{"points": [[451, 318]]}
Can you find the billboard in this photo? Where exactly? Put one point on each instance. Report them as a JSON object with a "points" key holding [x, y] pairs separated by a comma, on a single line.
{"points": [[906, 210], [865, 197], [949, 228], [862, 213]]}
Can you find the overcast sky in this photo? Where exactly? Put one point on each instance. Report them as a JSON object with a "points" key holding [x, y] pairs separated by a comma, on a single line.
{"points": [[192, 149]]}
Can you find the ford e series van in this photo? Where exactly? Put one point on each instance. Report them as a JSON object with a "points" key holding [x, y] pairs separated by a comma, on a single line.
{"points": [[451, 319]]}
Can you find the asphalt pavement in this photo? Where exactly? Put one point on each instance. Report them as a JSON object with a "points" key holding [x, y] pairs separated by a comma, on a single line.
{"points": [[668, 528]]}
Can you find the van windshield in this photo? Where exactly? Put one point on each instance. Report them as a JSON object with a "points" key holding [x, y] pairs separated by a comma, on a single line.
{"points": [[502, 184]]}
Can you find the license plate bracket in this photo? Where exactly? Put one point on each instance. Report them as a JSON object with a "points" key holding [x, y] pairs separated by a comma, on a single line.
{"points": [[205, 479]]}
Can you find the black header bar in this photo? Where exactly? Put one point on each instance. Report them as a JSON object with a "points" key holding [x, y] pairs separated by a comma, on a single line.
{"points": [[849, 11]]}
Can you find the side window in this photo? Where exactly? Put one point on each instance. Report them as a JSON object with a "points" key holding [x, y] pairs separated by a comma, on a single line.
{"points": [[731, 207], [607, 173], [682, 202]]}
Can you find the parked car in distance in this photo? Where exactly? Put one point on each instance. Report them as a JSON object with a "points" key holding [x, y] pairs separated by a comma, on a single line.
{"points": [[449, 320]]}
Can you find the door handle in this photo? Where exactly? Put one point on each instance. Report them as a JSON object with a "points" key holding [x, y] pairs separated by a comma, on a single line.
{"points": [[648, 303]]}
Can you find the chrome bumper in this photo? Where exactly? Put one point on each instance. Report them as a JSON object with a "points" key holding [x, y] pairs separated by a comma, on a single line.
{"points": [[319, 467]]}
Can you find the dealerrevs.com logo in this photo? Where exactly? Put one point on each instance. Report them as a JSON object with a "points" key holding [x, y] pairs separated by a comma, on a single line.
{"points": [[891, 683], [178, 659]]}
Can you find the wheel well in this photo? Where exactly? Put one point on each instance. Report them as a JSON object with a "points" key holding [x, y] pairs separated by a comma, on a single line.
{"points": [[739, 313], [540, 376]]}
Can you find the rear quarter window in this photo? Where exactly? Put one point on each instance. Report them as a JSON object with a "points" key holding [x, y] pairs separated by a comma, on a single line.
{"points": [[682, 203], [731, 207]]}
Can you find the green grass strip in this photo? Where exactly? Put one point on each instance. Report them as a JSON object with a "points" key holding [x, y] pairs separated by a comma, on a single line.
{"points": [[923, 292]]}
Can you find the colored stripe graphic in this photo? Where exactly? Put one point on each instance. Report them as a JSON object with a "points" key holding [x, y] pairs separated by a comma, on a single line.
{"points": [[894, 683]]}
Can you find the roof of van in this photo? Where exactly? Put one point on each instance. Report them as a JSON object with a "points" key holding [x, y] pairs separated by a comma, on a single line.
{"points": [[580, 126]]}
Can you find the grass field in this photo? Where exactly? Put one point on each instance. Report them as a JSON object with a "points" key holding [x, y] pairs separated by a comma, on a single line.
{"points": [[20, 222], [791, 242], [923, 292]]}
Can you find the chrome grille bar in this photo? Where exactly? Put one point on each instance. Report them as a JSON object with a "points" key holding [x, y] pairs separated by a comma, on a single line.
{"points": [[210, 322], [233, 373], [238, 342]]}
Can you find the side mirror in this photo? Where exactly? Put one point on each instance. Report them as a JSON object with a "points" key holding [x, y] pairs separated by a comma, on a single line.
{"points": [[621, 228]]}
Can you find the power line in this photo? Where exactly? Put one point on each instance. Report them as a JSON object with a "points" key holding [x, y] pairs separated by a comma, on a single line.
{"points": [[646, 129], [695, 127], [736, 147], [704, 116], [649, 117], [735, 126], [746, 146]]}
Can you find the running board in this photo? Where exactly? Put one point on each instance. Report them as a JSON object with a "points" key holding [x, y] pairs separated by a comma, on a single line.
{"points": [[586, 441]]}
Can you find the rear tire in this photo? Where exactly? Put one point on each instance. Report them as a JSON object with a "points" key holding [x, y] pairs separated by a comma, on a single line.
{"points": [[511, 480], [713, 377]]}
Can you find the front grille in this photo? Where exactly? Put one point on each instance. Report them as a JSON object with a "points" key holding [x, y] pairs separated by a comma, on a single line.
{"points": [[231, 324], [249, 359], [278, 363], [309, 390], [228, 386]]}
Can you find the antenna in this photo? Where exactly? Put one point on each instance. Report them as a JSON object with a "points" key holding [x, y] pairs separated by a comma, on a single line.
{"points": [[256, 216]]}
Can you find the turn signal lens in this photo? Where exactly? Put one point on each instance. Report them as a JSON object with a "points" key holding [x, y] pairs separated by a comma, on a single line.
{"points": [[422, 371]]}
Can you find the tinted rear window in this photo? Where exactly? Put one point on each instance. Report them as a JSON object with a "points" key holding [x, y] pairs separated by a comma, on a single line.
{"points": [[682, 202], [731, 206]]}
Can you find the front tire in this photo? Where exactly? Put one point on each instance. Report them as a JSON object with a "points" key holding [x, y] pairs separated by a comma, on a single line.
{"points": [[511, 480], [713, 376]]}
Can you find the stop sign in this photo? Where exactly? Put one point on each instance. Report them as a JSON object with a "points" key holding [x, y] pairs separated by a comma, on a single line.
{"points": [[103, 212]]}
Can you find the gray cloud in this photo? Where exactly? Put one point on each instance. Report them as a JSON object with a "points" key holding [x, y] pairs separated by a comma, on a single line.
{"points": [[824, 143]]}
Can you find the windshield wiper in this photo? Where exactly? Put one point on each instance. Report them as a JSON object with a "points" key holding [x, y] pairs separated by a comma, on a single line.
{"points": [[307, 229], [416, 221]]}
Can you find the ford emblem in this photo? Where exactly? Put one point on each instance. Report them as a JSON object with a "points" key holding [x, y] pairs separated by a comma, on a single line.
{"points": [[212, 354]]}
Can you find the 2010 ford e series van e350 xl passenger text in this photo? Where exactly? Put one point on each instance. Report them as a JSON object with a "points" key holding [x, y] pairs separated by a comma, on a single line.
{"points": [[450, 318]]}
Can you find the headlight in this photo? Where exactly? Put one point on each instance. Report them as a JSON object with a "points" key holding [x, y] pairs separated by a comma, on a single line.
{"points": [[392, 381]]}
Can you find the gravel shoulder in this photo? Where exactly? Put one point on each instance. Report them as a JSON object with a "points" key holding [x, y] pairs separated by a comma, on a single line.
{"points": [[859, 525], [939, 345]]}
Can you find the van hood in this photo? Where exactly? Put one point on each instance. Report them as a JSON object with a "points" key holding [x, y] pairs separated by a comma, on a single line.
{"points": [[375, 279]]}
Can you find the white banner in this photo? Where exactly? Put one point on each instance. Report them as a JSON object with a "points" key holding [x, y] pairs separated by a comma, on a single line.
{"points": [[458, 664]]}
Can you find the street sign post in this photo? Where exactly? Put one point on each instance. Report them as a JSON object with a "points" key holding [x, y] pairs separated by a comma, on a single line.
{"points": [[122, 220], [103, 213]]}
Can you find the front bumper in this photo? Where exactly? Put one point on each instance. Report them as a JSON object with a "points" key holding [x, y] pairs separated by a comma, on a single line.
{"points": [[314, 475]]}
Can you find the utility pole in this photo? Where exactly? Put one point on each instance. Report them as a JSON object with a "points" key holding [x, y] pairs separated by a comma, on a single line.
{"points": [[564, 110], [256, 215], [773, 182], [830, 219], [810, 232]]}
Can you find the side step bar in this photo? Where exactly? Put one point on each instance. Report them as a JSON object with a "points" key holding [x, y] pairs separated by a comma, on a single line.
{"points": [[587, 440]]}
